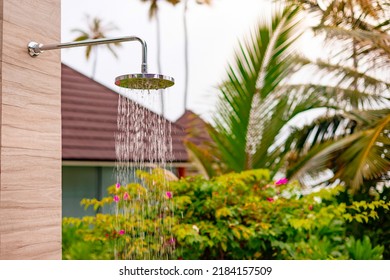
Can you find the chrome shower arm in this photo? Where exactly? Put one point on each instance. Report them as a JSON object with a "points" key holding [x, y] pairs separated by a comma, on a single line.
{"points": [[34, 48]]}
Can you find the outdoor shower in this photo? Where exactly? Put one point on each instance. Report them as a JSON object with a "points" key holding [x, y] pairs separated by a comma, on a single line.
{"points": [[143, 80], [142, 140]]}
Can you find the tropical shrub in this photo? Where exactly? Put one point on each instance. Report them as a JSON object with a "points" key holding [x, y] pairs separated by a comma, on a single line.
{"points": [[233, 216]]}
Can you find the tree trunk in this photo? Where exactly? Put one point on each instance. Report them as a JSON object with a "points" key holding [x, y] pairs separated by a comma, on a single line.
{"points": [[158, 39], [186, 71]]}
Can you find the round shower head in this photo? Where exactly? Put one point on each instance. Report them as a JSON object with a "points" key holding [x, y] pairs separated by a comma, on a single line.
{"points": [[144, 81]]}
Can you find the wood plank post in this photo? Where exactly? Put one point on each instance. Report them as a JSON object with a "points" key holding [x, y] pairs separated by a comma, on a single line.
{"points": [[30, 132]]}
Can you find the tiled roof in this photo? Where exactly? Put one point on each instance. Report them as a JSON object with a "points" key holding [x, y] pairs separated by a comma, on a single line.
{"points": [[89, 120], [195, 127]]}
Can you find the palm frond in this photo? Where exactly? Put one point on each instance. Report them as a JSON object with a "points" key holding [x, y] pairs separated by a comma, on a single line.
{"points": [[78, 30], [338, 97], [113, 52], [374, 44], [359, 13], [285, 104], [368, 156], [202, 158], [88, 52], [96, 30], [81, 37], [317, 159], [153, 8], [355, 147], [261, 64], [347, 77], [384, 25]]}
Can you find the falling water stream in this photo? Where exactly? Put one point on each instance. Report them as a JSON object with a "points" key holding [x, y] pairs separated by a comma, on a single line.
{"points": [[143, 208]]}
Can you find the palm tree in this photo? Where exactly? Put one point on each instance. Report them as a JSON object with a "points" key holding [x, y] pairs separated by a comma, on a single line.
{"points": [[186, 55], [254, 106], [96, 31], [353, 140], [258, 105]]}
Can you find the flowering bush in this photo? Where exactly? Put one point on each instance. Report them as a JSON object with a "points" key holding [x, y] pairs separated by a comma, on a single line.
{"points": [[234, 216], [138, 226]]}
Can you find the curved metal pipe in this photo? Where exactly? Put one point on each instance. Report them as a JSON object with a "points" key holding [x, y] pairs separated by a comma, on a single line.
{"points": [[34, 48]]}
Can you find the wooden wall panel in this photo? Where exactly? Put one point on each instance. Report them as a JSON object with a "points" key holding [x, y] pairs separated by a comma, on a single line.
{"points": [[30, 132], [40, 17], [1, 96]]}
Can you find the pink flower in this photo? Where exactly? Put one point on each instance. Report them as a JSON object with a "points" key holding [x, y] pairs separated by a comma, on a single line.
{"points": [[121, 232], [270, 199], [282, 181], [118, 185], [126, 196], [116, 198], [169, 195], [172, 241]]}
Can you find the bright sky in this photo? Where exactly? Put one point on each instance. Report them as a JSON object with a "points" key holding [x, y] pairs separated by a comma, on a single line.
{"points": [[213, 35]]}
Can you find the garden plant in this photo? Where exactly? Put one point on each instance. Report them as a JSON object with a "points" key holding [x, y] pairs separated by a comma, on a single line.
{"points": [[235, 216]]}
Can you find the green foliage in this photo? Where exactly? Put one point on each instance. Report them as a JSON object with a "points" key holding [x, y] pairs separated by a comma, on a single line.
{"points": [[234, 216], [363, 250], [77, 244]]}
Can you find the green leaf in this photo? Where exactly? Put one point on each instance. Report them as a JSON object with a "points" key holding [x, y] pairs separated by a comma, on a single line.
{"points": [[224, 246], [223, 212]]}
